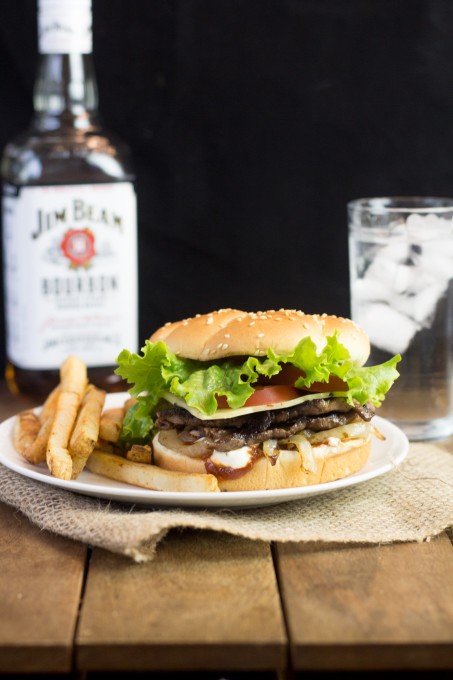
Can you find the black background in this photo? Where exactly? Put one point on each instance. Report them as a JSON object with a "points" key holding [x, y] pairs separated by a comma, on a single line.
{"points": [[252, 123]]}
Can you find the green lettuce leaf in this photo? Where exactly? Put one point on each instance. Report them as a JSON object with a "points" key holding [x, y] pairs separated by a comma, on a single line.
{"points": [[371, 383], [157, 370], [137, 423], [334, 359]]}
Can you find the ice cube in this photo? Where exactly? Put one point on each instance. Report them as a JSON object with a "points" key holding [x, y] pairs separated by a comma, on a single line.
{"points": [[438, 227], [382, 269], [405, 275], [421, 229], [395, 276], [387, 328], [421, 306], [397, 249], [439, 246], [420, 281], [437, 263], [415, 220], [415, 227], [369, 290]]}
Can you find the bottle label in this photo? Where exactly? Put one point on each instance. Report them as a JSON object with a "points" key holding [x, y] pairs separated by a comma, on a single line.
{"points": [[64, 26], [70, 268]]}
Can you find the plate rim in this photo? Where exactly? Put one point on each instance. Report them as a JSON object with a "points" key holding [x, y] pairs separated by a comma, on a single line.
{"points": [[396, 443]]}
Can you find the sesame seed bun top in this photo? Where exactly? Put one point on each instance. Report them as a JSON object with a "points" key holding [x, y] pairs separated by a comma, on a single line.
{"points": [[231, 332]]}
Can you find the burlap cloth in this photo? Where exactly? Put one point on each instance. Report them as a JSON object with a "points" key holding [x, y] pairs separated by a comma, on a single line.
{"points": [[411, 503]]}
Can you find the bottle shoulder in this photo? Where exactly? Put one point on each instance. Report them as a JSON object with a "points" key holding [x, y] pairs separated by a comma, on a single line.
{"points": [[66, 154]]}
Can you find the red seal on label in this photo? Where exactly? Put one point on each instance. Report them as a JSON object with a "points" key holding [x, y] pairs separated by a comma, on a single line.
{"points": [[78, 246]]}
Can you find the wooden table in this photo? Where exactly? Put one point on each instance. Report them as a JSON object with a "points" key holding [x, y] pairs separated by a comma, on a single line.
{"points": [[216, 603]]}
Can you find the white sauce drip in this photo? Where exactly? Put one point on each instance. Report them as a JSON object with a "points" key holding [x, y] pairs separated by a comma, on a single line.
{"points": [[236, 459]]}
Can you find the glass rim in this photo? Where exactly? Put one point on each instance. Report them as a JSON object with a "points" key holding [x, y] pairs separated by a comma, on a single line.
{"points": [[401, 204]]}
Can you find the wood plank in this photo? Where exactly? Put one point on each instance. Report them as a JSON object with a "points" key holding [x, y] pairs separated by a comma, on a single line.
{"points": [[207, 601], [372, 607], [40, 587]]}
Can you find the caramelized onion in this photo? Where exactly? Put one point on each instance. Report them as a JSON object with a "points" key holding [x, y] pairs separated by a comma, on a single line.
{"points": [[270, 450]]}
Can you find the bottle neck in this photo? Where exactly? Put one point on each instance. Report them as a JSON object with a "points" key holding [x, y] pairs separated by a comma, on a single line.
{"points": [[66, 87]]}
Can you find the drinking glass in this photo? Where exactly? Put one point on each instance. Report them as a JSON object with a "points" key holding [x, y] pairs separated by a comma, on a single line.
{"points": [[401, 287]]}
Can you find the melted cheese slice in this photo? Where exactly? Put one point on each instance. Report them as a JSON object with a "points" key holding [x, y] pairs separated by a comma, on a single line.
{"points": [[246, 410]]}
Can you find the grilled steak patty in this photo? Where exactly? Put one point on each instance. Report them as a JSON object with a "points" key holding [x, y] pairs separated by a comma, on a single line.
{"points": [[232, 433]]}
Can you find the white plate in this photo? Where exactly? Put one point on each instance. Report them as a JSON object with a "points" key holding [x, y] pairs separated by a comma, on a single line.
{"points": [[385, 456]]}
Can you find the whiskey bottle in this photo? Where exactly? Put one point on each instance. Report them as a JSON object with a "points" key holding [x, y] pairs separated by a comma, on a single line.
{"points": [[69, 220]]}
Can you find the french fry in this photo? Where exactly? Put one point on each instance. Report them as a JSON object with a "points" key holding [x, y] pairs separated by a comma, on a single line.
{"points": [[140, 453], [86, 429], [73, 376], [37, 452], [149, 476], [73, 382], [25, 430], [111, 423], [50, 404], [58, 458], [38, 448]]}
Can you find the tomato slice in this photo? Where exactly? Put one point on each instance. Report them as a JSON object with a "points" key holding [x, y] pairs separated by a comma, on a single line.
{"points": [[272, 394], [335, 384], [289, 374]]}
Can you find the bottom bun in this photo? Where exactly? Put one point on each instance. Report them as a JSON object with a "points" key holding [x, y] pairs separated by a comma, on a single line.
{"points": [[285, 473]]}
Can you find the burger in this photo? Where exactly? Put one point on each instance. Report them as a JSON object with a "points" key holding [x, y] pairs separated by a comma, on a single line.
{"points": [[261, 400]]}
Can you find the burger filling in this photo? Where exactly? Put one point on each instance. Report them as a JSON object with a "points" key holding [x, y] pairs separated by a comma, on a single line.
{"points": [[230, 447], [316, 415]]}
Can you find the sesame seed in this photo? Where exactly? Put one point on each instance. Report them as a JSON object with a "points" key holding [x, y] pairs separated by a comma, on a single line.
{"points": [[184, 323], [252, 323], [260, 335], [227, 335], [209, 321], [225, 345]]}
